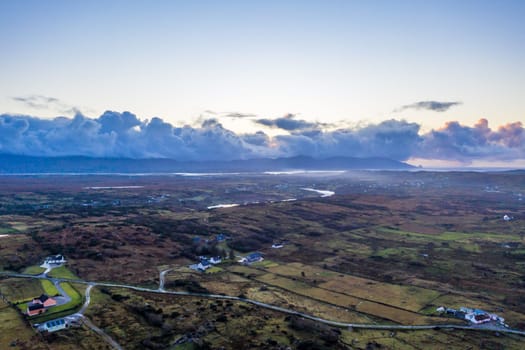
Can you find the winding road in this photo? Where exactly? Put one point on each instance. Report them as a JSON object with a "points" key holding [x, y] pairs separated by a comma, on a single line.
{"points": [[79, 315], [483, 328]]}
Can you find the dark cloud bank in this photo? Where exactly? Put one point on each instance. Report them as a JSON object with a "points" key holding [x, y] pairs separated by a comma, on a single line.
{"points": [[124, 135]]}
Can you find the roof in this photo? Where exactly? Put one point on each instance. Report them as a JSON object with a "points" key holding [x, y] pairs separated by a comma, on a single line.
{"points": [[32, 307], [254, 257], [42, 298], [55, 257], [481, 317], [55, 323]]}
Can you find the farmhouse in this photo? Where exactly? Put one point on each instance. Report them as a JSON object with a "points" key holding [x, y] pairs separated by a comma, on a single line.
{"points": [[478, 316], [45, 300], [55, 260], [204, 264], [35, 309], [478, 319], [215, 260], [253, 257], [39, 305]]}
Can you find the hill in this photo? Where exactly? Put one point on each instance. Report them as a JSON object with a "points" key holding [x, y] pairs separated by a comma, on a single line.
{"points": [[13, 164]]}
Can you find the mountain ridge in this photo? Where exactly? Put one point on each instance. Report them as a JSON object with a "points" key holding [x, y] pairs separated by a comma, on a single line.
{"points": [[12, 164]]}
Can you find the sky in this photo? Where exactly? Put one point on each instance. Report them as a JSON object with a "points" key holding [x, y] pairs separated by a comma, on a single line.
{"points": [[429, 82]]}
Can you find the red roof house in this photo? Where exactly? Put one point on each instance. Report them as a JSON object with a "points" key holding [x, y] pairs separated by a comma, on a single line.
{"points": [[35, 309], [45, 300], [39, 305]]}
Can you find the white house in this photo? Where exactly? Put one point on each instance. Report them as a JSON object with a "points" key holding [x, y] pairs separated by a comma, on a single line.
{"points": [[478, 318], [215, 260], [203, 265], [55, 259]]}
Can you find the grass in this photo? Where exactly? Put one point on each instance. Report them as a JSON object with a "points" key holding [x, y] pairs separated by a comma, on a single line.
{"points": [[22, 306], [12, 327], [21, 290], [450, 236], [61, 310], [49, 288], [518, 252], [97, 298], [19, 226], [406, 297], [7, 230], [342, 300], [214, 269], [265, 263], [72, 292], [245, 270], [411, 253], [62, 272], [33, 270]]}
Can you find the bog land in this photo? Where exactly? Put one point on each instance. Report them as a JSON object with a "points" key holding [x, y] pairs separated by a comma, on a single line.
{"points": [[388, 248]]}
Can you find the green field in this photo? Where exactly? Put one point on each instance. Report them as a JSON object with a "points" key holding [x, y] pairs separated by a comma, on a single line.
{"points": [[20, 290], [34, 270], [62, 272], [49, 288], [61, 310], [13, 327]]}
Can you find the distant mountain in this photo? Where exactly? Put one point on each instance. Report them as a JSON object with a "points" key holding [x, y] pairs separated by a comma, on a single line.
{"points": [[12, 164]]}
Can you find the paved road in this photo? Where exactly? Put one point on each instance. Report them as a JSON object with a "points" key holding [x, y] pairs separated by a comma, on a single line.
{"points": [[64, 298], [87, 299], [80, 317], [485, 328], [100, 332], [162, 279]]}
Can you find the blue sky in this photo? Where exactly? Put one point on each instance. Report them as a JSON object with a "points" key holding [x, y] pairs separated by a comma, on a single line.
{"points": [[346, 64]]}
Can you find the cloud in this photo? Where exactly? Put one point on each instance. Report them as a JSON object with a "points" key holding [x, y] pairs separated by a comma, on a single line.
{"points": [[47, 103], [289, 123], [465, 144], [391, 139], [237, 115], [115, 134], [430, 105], [36, 101]]}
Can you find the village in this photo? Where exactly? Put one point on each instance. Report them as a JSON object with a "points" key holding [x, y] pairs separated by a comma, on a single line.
{"points": [[44, 303]]}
